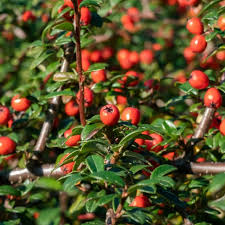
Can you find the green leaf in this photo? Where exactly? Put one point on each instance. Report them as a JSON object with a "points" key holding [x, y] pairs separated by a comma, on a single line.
{"points": [[94, 146], [61, 77], [90, 130], [49, 216], [8, 190], [218, 204], [11, 222], [162, 170], [187, 88], [48, 183], [208, 6], [217, 184], [135, 169], [109, 177], [95, 163], [106, 199], [41, 58], [60, 93], [95, 222], [71, 181], [89, 3], [67, 26], [144, 183], [125, 140], [97, 66]]}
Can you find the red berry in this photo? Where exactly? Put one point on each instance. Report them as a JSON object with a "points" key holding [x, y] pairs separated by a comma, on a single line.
{"points": [[220, 55], [85, 54], [132, 74], [199, 80], [124, 59], [131, 114], [213, 98], [20, 104], [85, 64], [169, 155], [134, 57], [88, 97], [67, 168], [70, 4], [189, 55], [109, 115], [73, 140], [120, 99], [128, 23], [85, 16], [134, 14], [195, 26], [28, 15], [96, 56], [7, 145], [107, 53], [222, 127], [4, 115], [66, 15], [221, 22], [141, 201], [156, 139], [98, 76], [198, 44], [71, 108], [146, 56]]}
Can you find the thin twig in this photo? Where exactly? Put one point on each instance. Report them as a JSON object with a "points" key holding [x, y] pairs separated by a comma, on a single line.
{"points": [[54, 104], [76, 24]]}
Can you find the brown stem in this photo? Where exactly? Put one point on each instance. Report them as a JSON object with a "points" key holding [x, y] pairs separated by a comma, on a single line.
{"points": [[207, 167], [76, 24], [205, 123], [18, 175], [63, 198], [53, 108]]}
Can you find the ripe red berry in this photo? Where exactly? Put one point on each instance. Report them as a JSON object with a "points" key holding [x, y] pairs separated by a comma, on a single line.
{"points": [[85, 16], [195, 26], [109, 115], [221, 22], [66, 15], [212, 98], [146, 56], [141, 201], [120, 99], [85, 64], [151, 144], [20, 104], [128, 23], [4, 115], [66, 168], [71, 108], [132, 74], [220, 55], [124, 59], [131, 114], [7, 145], [28, 15], [222, 127], [98, 76], [88, 97], [70, 4], [199, 80], [107, 53], [73, 140], [198, 44], [134, 14], [134, 57], [189, 55], [96, 56]]}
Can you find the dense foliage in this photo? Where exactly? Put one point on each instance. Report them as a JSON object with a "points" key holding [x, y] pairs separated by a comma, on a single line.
{"points": [[152, 68]]}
